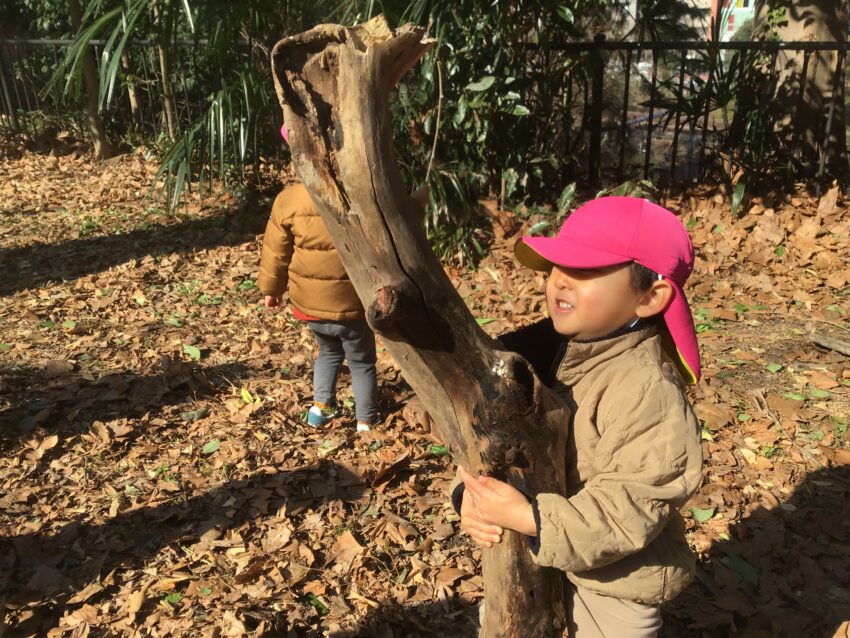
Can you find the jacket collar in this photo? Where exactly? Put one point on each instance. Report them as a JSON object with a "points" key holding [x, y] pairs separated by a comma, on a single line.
{"points": [[582, 356]]}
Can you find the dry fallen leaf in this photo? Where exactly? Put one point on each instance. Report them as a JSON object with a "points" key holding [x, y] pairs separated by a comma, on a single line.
{"points": [[449, 575]]}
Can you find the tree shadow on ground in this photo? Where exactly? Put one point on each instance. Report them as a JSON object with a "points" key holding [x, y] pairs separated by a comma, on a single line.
{"points": [[453, 617], [34, 265], [58, 399], [784, 572], [44, 572]]}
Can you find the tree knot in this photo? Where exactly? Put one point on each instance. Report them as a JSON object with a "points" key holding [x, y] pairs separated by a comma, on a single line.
{"points": [[506, 451], [391, 305]]}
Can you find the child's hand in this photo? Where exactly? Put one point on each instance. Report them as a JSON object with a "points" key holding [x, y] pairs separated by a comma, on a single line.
{"points": [[271, 301], [491, 502], [482, 533]]}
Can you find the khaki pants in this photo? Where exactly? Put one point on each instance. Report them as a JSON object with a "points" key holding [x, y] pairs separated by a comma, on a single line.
{"points": [[592, 615], [596, 616]]}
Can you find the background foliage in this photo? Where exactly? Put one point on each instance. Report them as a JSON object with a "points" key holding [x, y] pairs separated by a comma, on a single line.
{"points": [[493, 111]]}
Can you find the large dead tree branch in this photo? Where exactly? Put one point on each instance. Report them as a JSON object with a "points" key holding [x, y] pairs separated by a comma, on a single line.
{"points": [[334, 85]]}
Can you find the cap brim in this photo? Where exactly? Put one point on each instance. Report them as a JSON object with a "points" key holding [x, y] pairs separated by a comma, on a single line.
{"points": [[682, 344], [540, 253]]}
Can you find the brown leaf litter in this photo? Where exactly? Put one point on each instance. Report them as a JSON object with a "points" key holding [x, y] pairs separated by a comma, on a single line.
{"points": [[156, 478]]}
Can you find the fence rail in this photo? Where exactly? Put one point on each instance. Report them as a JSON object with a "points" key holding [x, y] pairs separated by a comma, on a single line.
{"points": [[650, 110]]}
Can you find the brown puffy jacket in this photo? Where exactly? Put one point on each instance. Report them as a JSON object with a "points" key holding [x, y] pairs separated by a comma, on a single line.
{"points": [[634, 459], [298, 253]]}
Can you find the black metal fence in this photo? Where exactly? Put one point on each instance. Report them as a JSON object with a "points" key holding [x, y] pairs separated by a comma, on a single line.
{"points": [[657, 111]]}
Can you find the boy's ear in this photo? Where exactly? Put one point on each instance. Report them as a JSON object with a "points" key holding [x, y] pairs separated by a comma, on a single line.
{"points": [[655, 300]]}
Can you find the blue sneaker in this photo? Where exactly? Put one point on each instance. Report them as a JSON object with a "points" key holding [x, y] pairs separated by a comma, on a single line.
{"points": [[318, 417]]}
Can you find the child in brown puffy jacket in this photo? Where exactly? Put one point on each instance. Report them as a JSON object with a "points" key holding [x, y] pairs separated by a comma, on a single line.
{"points": [[298, 254]]}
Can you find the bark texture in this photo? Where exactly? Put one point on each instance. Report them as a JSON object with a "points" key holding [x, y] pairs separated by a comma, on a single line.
{"points": [[334, 85]]}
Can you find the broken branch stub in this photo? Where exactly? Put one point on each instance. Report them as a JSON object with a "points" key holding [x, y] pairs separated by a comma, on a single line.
{"points": [[334, 85]]}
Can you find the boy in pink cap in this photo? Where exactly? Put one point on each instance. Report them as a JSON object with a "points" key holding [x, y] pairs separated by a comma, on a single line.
{"points": [[615, 294]]}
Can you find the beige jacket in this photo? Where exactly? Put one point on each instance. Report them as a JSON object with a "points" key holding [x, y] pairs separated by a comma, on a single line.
{"points": [[298, 253], [634, 459]]}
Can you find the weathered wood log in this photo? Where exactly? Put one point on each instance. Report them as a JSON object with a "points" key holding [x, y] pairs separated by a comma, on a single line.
{"points": [[831, 343], [334, 85]]}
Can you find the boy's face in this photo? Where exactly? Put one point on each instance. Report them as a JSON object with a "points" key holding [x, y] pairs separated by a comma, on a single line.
{"points": [[590, 303]]}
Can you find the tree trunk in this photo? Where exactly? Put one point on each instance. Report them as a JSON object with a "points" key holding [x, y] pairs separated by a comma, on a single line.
{"points": [[165, 76], [802, 105], [131, 90], [494, 414], [102, 147]]}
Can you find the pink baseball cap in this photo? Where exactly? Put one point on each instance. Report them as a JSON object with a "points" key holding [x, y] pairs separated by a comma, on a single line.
{"points": [[283, 133], [617, 230]]}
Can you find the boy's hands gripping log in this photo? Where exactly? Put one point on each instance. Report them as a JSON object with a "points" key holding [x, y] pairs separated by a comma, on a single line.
{"points": [[490, 506]]}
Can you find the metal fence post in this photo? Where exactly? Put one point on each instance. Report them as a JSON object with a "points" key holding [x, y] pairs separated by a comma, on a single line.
{"points": [[7, 96], [597, 69], [652, 97], [678, 116], [624, 121]]}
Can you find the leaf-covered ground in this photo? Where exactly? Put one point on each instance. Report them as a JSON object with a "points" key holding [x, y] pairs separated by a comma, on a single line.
{"points": [[155, 477]]}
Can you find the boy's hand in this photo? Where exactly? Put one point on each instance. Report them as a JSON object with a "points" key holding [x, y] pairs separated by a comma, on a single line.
{"points": [[482, 533], [492, 502], [271, 301]]}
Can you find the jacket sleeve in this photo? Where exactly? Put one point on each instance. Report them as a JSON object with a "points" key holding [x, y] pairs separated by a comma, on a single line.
{"points": [[456, 491], [277, 251], [647, 464]]}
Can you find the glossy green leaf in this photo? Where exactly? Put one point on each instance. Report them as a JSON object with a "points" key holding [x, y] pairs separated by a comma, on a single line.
{"points": [[173, 598], [702, 515], [566, 14], [565, 199], [738, 195], [744, 569], [193, 352], [538, 228], [316, 602], [211, 447], [481, 85]]}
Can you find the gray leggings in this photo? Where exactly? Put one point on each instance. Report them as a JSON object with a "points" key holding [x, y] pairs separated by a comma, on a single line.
{"points": [[354, 341]]}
